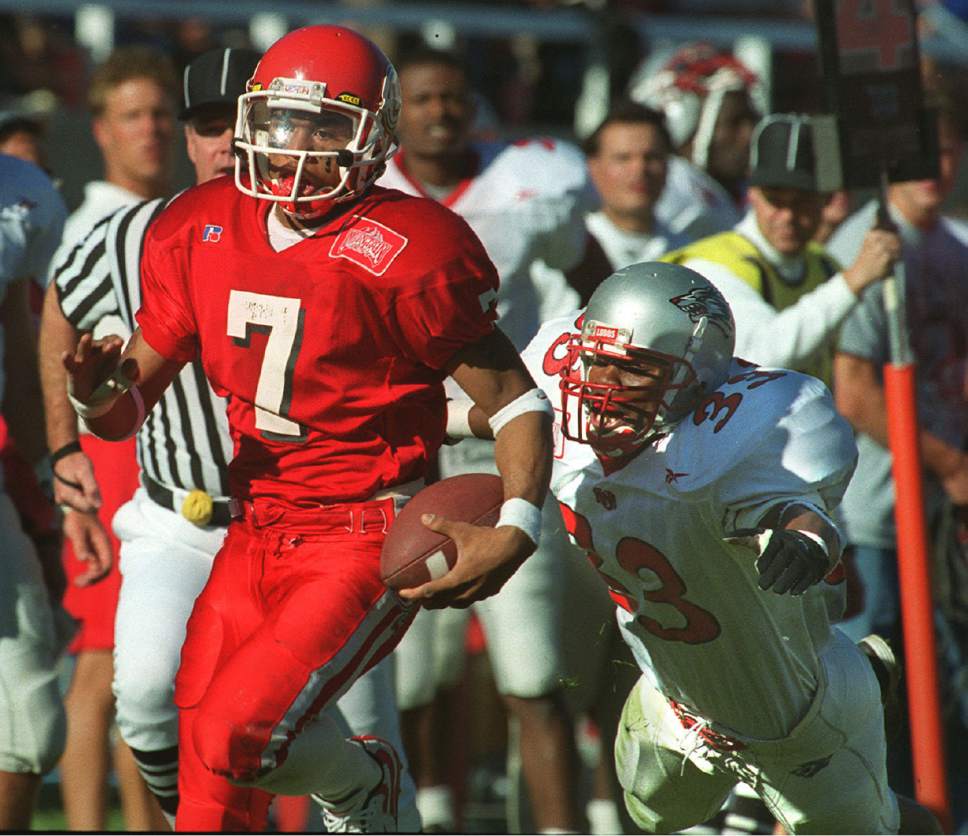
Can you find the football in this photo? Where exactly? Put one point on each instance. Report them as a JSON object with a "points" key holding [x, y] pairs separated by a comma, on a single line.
{"points": [[413, 554]]}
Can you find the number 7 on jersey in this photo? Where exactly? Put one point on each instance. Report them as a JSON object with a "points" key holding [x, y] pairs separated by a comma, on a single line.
{"points": [[280, 317]]}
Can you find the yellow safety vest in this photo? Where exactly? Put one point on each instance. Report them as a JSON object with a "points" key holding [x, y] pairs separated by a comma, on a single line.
{"points": [[741, 257]]}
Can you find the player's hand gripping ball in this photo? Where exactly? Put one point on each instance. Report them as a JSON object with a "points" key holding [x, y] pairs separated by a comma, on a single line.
{"points": [[413, 554]]}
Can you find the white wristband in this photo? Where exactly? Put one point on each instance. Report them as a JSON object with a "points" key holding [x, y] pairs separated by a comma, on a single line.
{"points": [[86, 410], [458, 418], [818, 540], [522, 514], [534, 400]]}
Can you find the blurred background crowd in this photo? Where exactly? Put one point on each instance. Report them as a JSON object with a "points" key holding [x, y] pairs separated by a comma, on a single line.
{"points": [[540, 65]]}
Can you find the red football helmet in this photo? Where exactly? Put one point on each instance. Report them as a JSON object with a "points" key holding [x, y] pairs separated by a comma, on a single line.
{"points": [[323, 75]]}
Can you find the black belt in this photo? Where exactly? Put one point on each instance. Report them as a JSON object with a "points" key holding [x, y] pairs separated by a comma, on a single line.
{"points": [[221, 514]]}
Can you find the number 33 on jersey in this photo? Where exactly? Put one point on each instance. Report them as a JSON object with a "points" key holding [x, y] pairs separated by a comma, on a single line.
{"points": [[654, 526]]}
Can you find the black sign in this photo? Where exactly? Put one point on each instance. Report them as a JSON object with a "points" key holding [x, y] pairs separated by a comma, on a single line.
{"points": [[872, 79]]}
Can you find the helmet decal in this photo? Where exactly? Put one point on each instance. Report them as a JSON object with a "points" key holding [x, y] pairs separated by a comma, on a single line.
{"points": [[706, 302]]}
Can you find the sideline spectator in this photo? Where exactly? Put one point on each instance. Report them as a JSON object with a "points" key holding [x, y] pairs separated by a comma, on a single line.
{"points": [[21, 135], [788, 296], [131, 98], [525, 201], [628, 157], [936, 264], [32, 719], [711, 102]]}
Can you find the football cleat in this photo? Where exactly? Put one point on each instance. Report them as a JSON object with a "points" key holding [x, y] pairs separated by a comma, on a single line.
{"points": [[374, 811]]}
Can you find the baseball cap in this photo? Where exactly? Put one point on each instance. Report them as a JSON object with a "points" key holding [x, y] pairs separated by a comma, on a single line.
{"points": [[29, 113], [216, 77], [782, 152]]}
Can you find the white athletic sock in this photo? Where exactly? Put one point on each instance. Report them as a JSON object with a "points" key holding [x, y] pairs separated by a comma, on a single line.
{"points": [[436, 806], [603, 818]]}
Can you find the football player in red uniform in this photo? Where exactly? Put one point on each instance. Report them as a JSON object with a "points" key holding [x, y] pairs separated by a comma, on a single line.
{"points": [[329, 311]]}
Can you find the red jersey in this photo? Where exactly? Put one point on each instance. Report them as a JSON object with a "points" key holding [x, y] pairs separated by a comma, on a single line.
{"points": [[331, 351]]}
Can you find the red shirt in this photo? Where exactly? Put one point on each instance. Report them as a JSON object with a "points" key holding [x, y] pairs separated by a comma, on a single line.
{"points": [[331, 351]]}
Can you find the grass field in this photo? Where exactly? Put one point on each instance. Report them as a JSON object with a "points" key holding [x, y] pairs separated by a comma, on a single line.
{"points": [[49, 816]]}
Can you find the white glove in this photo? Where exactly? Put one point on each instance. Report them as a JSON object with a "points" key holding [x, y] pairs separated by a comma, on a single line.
{"points": [[789, 561]]}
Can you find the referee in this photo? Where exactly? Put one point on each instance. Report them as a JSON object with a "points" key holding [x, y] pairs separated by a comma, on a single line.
{"points": [[175, 523], [172, 528]]}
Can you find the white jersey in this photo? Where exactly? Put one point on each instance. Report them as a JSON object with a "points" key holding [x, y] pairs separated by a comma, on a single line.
{"points": [[689, 604], [693, 204], [526, 203], [32, 215], [622, 247]]}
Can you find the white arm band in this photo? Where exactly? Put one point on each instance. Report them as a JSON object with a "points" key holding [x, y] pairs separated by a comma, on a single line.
{"points": [[458, 418], [102, 399], [522, 514], [86, 411], [90, 410], [817, 539], [534, 400], [811, 506]]}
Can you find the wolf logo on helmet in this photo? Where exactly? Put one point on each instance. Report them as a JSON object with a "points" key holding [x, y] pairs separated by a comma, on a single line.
{"points": [[703, 302]]}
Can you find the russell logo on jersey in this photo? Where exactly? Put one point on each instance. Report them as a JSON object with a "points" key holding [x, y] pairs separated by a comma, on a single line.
{"points": [[212, 233]]}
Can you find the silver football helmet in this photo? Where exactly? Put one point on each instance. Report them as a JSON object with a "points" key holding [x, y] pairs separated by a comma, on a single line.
{"points": [[662, 326]]}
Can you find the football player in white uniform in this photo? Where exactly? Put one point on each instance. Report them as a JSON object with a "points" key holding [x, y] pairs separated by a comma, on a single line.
{"points": [[700, 486], [33, 725], [711, 102], [525, 201]]}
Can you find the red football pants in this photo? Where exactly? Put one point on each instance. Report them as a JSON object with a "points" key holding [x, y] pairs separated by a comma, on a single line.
{"points": [[293, 612]]}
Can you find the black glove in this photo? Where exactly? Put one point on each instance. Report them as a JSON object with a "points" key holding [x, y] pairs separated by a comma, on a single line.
{"points": [[789, 561]]}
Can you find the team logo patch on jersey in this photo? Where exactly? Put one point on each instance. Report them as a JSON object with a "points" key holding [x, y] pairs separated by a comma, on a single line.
{"points": [[369, 244], [212, 233], [705, 302]]}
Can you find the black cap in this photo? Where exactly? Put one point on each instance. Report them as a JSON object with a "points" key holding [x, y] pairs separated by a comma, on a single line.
{"points": [[782, 152], [16, 119], [216, 77]]}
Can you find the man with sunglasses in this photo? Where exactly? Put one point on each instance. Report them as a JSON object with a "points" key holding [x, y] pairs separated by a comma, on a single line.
{"points": [[788, 296]]}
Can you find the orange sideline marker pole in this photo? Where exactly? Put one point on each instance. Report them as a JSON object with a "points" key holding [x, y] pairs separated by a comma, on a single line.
{"points": [[924, 707]]}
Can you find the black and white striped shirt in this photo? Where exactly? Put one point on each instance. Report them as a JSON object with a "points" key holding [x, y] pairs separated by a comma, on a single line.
{"points": [[184, 442]]}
